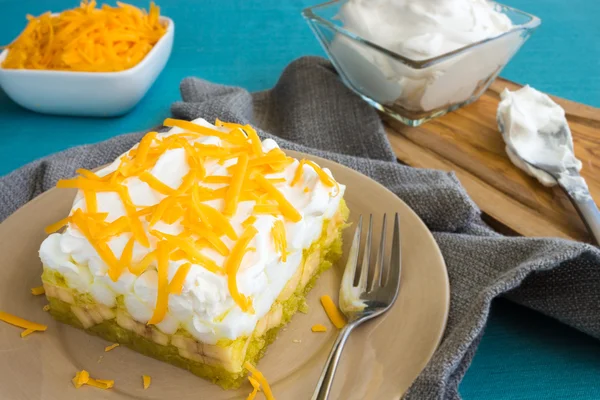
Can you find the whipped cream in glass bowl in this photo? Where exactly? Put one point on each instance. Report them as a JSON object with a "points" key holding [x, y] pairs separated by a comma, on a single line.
{"points": [[418, 59]]}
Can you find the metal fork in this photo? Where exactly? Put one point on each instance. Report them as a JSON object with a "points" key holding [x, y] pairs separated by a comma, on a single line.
{"points": [[363, 301]]}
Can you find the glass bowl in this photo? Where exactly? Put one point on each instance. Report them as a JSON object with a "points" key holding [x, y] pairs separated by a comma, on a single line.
{"points": [[416, 91]]}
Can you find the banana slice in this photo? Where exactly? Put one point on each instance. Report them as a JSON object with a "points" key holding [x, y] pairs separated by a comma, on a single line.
{"points": [[65, 295], [106, 312], [290, 287], [82, 316], [159, 337], [184, 343], [310, 266]]}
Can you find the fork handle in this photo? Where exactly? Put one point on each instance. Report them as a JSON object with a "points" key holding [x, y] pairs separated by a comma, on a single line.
{"points": [[326, 380]]}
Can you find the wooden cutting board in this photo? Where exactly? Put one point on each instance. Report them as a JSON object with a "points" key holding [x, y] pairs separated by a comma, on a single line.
{"points": [[467, 142]]}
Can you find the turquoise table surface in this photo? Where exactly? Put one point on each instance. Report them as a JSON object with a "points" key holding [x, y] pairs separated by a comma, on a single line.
{"points": [[523, 354]]}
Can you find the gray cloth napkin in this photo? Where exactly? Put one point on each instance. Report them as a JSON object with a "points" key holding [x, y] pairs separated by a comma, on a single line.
{"points": [[310, 110]]}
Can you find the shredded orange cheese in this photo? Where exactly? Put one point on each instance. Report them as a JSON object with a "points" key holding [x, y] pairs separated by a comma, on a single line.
{"points": [[272, 209], [323, 176], [176, 284], [136, 225], [249, 221], [213, 239], [162, 299], [286, 207], [144, 148], [232, 264], [299, 172], [124, 261], [254, 382], [256, 374], [156, 184], [22, 323], [146, 381], [36, 291], [254, 139], [272, 157], [233, 192], [89, 174], [80, 220], [192, 252], [81, 378], [57, 225], [87, 38], [255, 388], [90, 201], [333, 312], [101, 383], [160, 210], [318, 328], [140, 267], [114, 228], [27, 332], [278, 233], [217, 179], [111, 347], [217, 220]]}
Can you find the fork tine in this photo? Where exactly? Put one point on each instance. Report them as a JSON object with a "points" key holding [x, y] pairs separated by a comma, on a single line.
{"points": [[350, 270], [364, 268], [379, 263], [393, 281]]}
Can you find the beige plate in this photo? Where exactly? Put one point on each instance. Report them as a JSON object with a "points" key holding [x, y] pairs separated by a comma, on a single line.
{"points": [[380, 361]]}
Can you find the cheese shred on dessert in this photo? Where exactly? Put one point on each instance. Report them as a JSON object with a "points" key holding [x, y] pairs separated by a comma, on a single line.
{"points": [[194, 247]]}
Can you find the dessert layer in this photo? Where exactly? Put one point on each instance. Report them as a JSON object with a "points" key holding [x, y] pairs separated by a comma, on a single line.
{"points": [[196, 229]]}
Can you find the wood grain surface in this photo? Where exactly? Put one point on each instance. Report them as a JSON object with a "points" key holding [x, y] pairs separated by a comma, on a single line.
{"points": [[467, 142]]}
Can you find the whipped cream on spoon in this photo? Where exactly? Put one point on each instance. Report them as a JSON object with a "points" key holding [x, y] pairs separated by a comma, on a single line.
{"points": [[538, 140]]}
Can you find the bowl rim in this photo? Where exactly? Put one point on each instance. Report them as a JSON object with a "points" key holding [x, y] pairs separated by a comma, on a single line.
{"points": [[309, 14], [168, 33]]}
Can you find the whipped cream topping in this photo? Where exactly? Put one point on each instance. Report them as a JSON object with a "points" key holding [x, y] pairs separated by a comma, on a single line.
{"points": [[535, 128], [205, 307], [420, 30]]}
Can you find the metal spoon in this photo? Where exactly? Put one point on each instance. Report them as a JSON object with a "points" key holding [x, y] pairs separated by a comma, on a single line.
{"points": [[570, 181]]}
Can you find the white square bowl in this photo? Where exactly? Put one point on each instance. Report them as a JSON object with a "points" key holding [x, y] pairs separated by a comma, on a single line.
{"points": [[87, 94]]}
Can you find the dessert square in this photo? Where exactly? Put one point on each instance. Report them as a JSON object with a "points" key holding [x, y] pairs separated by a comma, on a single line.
{"points": [[194, 247]]}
